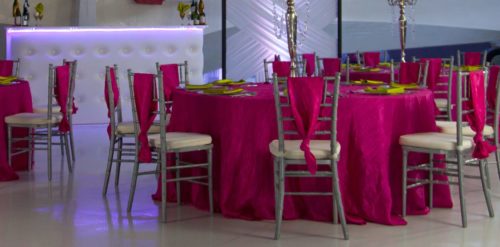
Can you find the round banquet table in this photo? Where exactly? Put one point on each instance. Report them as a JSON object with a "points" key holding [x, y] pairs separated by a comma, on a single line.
{"points": [[14, 98], [370, 162]]}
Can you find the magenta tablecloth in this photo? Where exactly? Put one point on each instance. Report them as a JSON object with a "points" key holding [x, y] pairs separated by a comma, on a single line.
{"points": [[370, 160], [14, 98]]}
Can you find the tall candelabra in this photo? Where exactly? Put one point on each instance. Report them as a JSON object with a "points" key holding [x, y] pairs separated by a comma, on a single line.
{"points": [[291, 31], [402, 22]]}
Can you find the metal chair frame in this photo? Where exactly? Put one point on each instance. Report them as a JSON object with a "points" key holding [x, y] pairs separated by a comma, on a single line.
{"points": [[460, 58], [422, 73], [453, 168], [179, 164], [183, 72], [495, 113], [74, 64], [281, 163], [301, 70], [41, 134]]}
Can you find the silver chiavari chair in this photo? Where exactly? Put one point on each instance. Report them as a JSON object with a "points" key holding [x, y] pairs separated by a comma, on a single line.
{"points": [[183, 72], [15, 67], [422, 73], [176, 143], [42, 127], [461, 58], [456, 145], [287, 153]]}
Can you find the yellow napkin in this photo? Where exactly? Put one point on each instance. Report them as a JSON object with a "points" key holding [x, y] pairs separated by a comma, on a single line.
{"points": [[240, 82], [470, 68], [222, 82], [384, 90], [372, 82], [198, 87], [223, 91], [384, 64], [405, 86], [5, 80], [374, 70]]}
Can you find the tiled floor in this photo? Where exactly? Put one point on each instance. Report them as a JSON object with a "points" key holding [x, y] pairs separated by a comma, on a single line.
{"points": [[70, 211]]}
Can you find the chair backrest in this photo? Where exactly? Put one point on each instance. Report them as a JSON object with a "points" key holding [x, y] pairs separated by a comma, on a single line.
{"points": [[52, 86], [420, 76], [135, 117], [301, 70], [115, 111], [7, 71], [328, 107], [464, 98], [183, 72], [462, 58], [444, 88]]}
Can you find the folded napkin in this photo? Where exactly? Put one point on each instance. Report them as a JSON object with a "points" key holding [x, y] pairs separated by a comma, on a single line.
{"points": [[222, 81], [384, 64], [223, 91], [385, 90], [405, 86], [6, 80], [240, 82], [470, 68], [372, 82], [198, 87]]}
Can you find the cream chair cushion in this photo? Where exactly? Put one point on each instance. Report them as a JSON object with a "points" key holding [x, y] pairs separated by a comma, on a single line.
{"points": [[433, 140], [128, 128], [450, 127], [176, 140], [31, 119], [319, 148], [55, 109], [441, 103]]}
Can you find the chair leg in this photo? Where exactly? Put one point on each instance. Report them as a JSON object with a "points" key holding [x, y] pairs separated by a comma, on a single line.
{"points": [[404, 183], [431, 180], [281, 198], [210, 181], [338, 198], [486, 189], [30, 149], [135, 174], [163, 168], [49, 152], [109, 166], [119, 160], [68, 158], [177, 176], [497, 159], [72, 143], [61, 141], [460, 164], [9, 144]]}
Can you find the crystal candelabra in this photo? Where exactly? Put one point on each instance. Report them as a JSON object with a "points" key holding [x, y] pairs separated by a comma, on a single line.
{"points": [[402, 22]]}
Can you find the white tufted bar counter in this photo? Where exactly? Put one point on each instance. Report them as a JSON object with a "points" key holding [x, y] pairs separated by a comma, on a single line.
{"points": [[94, 48]]}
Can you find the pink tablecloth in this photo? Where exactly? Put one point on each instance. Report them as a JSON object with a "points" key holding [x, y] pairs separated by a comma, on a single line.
{"points": [[14, 99], [370, 161]]}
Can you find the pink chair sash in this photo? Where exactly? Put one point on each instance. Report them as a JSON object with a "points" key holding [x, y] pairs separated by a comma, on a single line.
{"points": [[305, 95], [74, 107], [477, 118], [6, 67], [472, 58], [408, 72], [170, 79], [144, 91], [116, 95], [281, 68], [372, 59], [61, 91], [434, 71], [310, 59], [331, 66], [491, 91]]}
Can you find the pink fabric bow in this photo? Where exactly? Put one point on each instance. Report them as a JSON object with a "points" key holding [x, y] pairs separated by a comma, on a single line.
{"points": [[281, 68], [491, 92], [6, 67], [477, 118], [170, 79], [61, 91], [433, 72], [305, 95], [408, 72], [116, 95], [472, 58], [310, 59], [371, 59], [144, 92], [331, 66]]}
